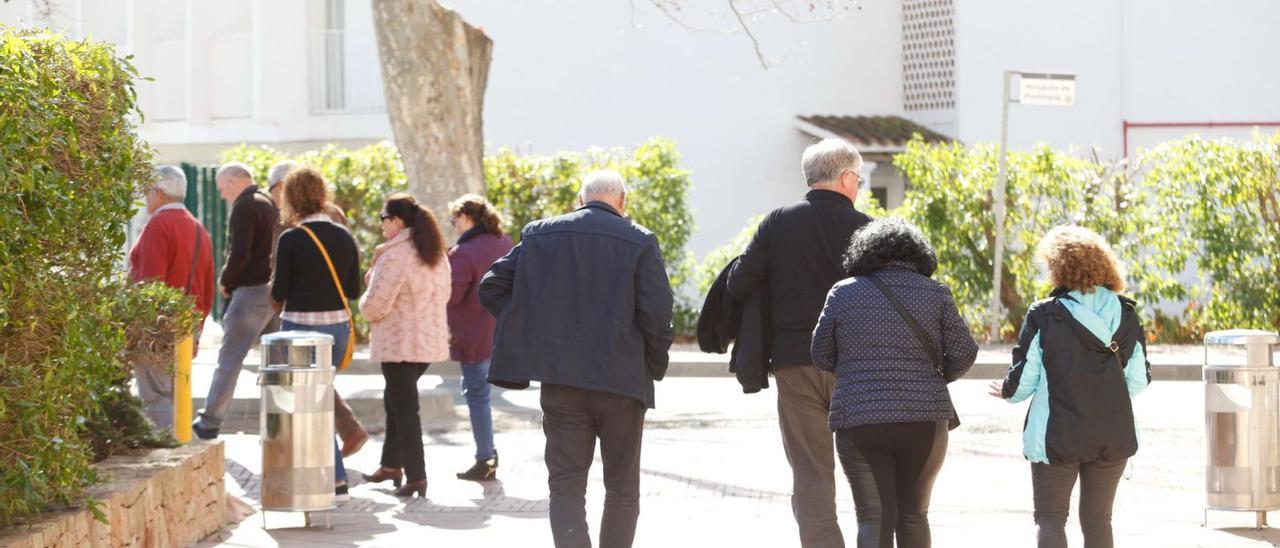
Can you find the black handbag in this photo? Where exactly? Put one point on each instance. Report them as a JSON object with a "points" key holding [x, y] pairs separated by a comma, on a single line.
{"points": [[934, 355]]}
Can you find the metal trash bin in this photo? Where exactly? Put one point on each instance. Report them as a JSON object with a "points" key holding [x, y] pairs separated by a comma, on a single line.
{"points": [[297, 422], [1242, 421]]}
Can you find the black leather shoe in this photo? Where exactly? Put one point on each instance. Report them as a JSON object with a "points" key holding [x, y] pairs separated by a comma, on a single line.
{"points": [[204, 433], [482, 470]]}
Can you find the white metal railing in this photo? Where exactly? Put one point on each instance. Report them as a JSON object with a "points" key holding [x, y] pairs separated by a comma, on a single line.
{"points": [[339, 85]]}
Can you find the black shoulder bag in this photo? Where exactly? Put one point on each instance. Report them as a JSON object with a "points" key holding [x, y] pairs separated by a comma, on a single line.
{"points": [[934, 355]]}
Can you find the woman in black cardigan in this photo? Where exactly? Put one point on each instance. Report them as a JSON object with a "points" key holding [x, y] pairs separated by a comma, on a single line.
{"points": [[302, 280]]}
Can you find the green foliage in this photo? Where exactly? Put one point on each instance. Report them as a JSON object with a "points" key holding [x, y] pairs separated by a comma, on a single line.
{"points": [[69, 160], [1221, 203], [527, 188], [360, 180], [1214, 202], [716, 260], [950, 200]]}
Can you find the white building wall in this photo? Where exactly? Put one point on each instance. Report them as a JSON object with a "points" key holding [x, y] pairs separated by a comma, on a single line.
{"points": [[568, 75], [1135, 60]]}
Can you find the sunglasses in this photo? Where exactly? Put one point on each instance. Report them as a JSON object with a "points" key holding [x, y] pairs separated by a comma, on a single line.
{"points": [[385, 216]]}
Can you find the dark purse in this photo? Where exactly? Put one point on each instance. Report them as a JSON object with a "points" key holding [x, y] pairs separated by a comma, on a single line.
{"points": [[934, 355]]}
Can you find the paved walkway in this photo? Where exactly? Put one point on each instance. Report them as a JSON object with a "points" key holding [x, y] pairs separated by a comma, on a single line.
{"points": [[714, 474]]}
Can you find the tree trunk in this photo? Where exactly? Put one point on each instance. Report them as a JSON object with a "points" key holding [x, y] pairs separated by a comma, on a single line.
{"points": [[435, 68]]}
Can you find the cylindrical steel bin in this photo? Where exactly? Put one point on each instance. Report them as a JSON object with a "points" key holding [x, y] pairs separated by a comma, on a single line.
{"points": [[297, 421], [1242, 420]]}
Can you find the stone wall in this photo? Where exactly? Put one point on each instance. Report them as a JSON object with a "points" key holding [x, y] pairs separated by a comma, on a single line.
{"points": [[156, 497]]}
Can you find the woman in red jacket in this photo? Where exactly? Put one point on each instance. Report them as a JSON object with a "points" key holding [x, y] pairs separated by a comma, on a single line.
{"points": [[482, 242]]}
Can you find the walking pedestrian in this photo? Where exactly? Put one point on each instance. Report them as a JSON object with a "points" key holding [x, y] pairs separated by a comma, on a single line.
{"points": [[246, 272], [894, 339], [481, 242], [317, 268], [406, 304], [1081, 358], [349, 428], [795, 256], [174, 248], [584, 307]]}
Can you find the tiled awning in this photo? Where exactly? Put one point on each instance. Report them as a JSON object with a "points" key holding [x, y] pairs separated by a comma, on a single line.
{"points": [[873, 133]]}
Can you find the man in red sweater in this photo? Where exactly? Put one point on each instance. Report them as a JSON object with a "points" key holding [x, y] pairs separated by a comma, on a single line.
{"points": [[174, 249]]}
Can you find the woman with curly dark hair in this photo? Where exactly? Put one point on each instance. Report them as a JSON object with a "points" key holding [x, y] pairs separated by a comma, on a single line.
{"points": [[1081, 357], [481, 241], [894, 339]]}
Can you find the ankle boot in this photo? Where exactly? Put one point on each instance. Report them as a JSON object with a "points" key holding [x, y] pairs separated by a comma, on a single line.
{"points": [[383, 474], [482, 470]]}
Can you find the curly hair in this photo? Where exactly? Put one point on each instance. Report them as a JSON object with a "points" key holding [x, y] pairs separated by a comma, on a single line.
{"points": [[479, 211], [886, 241], [1079, 259], [305, 194]]}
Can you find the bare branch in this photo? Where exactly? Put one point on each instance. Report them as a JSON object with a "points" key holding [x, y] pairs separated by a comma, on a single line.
{"points": [[755, 43], [668, 8]]}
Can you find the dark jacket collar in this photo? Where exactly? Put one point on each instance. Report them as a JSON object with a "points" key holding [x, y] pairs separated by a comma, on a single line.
{"points": [[597, 204], [828, 196], [247, 193], [470, 234]]}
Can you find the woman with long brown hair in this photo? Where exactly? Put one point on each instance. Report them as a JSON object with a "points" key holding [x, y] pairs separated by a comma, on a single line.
{"points": [[409, 287]]}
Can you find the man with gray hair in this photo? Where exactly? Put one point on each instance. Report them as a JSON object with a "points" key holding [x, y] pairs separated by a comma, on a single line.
{"points": [[584, 307], [246, 273], [797, 253], [174, 249]]}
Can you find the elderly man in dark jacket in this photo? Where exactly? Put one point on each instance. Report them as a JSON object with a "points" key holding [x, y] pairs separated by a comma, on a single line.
{"points": [[584, 307], [797, 254]]}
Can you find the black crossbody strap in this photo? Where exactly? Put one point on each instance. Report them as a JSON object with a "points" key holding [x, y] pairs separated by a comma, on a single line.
{"points": [[911, 321]]}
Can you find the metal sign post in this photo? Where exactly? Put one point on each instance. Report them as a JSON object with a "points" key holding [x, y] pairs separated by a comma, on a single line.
{"points": [[1033, 89]]}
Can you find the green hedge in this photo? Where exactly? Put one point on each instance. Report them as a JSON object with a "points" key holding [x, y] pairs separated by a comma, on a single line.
{"points": [[68, 165], [1209, 204], [523, 187]]}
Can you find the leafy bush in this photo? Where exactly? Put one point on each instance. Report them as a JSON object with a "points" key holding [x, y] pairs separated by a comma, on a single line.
{"points": [[360, 178], [1221, 204], [950, 200], [527, 188], [69, 162]]}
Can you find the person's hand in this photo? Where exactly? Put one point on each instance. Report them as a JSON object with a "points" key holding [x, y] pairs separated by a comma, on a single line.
{"points": [[996, 389], [223, 289]]}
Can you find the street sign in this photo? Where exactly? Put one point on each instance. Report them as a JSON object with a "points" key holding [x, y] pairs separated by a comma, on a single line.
{"points": [[1057, 90]]}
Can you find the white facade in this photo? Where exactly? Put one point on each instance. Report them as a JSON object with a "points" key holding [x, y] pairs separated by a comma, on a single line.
{"points": [[571, 74]]}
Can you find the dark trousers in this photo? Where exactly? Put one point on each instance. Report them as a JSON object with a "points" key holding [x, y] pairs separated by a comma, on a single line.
{"points": [[1051, 486], [866, 498], [572, 419], [905, 459], [804, 402], [403, 446]]}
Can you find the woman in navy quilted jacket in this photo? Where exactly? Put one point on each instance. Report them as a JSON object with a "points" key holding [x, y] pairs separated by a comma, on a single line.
{"points": [[891, 402]]}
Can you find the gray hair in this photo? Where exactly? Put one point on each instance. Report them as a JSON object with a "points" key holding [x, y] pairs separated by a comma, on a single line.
{"points": [[602, 184], [170, 181], [235, 170], [279, 171], [828, 159]]}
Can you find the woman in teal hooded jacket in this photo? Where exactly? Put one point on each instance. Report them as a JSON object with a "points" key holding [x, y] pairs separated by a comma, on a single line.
{"points": [[1081, 357]]}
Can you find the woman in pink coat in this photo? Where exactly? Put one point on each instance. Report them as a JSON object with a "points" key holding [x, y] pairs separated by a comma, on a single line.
{"points": [[406, 300]]}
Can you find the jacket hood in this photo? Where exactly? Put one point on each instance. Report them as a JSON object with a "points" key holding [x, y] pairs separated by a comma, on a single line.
{"points": [[1099, 311]]}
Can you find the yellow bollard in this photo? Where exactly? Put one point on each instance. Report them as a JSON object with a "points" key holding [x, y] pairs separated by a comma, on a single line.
{"points": [[182, 390]]}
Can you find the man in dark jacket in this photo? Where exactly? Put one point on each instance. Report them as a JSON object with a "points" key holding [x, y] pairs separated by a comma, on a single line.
{"points": [[796, 253], [584, 307], [244, 282]]}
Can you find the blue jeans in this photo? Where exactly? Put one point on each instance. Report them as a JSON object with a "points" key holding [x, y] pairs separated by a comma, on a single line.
{"points": [[475, 388], [341, 337]]}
